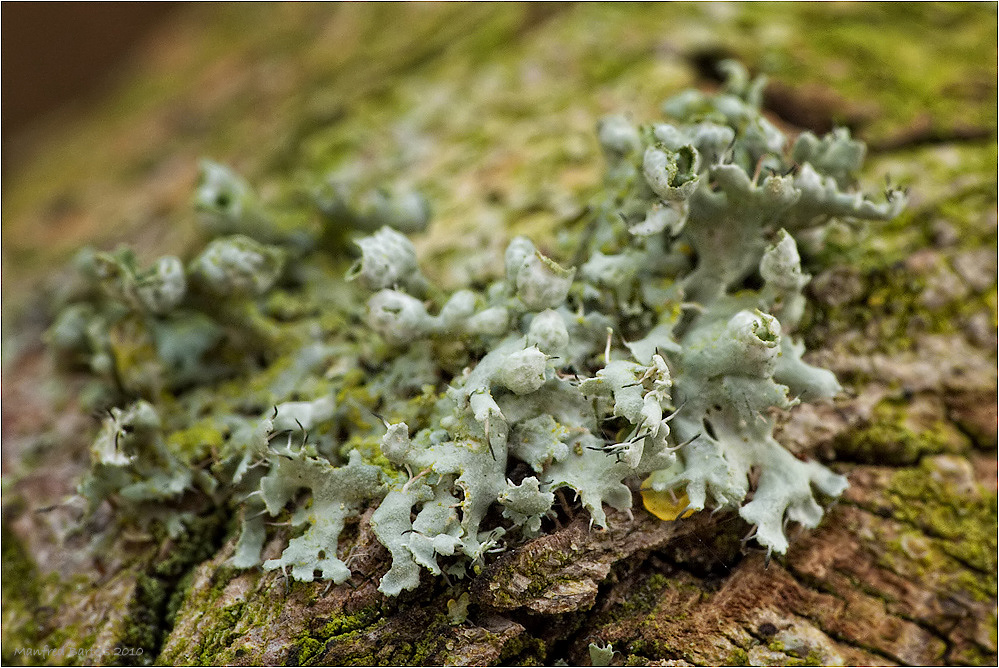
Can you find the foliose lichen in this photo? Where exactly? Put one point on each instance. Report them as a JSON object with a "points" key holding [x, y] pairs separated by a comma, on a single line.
{"points": [[659, 362]]}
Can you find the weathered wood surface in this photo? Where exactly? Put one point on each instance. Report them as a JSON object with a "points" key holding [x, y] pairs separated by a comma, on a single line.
{"points": [[490, 109]]}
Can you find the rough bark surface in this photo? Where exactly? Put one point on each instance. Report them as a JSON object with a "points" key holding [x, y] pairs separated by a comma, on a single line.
{"points": [[490, 110]]}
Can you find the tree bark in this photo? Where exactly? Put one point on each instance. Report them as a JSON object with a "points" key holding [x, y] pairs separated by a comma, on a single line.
{"points": [[490, 109]]}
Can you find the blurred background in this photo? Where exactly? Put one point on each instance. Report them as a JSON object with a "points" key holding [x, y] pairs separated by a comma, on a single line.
{"points": [[57, 56], [489, 108]]}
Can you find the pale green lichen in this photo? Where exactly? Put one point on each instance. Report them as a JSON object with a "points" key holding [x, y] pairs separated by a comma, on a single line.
{"points": [[662, 357], [600, 655]]}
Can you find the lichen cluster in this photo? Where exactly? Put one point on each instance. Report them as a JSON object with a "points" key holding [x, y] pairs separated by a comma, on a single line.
{"points": [[239, 378]]}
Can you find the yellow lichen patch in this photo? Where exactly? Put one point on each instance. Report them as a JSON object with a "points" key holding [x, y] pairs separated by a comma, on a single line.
{"points": [[135, 358], [196, 442], [666, 505]]}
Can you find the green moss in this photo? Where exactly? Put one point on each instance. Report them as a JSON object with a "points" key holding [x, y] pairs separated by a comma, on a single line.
{"points": [[286, 306], [737, 657], [960, 520], [359, 620], [417, 411], [160, 588], [142, 626], [221, 577], [654, 635], [425, 637], [197, 441], [370, 448], [523, 650], [21, 592], [655, 648], [888, 312], [431, 648], [197, 542], [72, 638], [19, 573], [217, 643], [311, 644], [811, 659], [177, 597], [895, 437], [921, 76], [647, 596], [955, 184], [971, 655], [29, 601], [221, 627], [640, 601], [540, 568], [307, 650]]}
